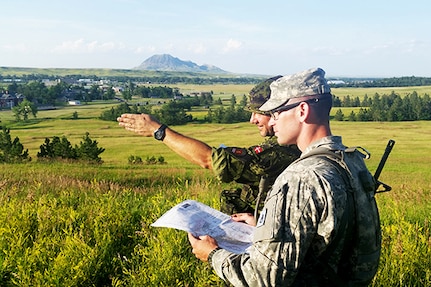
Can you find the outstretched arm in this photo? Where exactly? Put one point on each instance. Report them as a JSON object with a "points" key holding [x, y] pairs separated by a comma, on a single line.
{"points": [[189, 148]]}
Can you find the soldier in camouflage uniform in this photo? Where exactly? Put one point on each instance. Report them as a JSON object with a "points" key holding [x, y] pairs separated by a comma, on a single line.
{"points": [[303, 234], [255, 167]]}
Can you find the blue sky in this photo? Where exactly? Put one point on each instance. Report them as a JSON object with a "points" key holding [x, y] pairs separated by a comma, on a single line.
{"points": [[346, 38]]}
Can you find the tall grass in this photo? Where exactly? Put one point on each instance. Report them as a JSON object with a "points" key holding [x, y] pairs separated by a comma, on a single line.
{"points": [[71, 224]]}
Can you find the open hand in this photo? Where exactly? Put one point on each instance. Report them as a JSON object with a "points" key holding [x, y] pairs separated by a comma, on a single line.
{"points": [[247, 218]]}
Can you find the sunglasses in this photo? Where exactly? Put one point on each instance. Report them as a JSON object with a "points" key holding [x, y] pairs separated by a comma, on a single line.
{"points": [[275, 114]]}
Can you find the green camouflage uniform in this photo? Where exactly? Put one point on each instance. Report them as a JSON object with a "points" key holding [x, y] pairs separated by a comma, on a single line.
{"points": [[300, 219], [256, 167]]}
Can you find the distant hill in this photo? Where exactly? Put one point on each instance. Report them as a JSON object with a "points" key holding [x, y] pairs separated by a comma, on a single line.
{"points": [[166, 62]]}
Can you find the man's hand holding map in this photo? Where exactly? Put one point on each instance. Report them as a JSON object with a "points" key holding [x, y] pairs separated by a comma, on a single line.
{"points": [[200, 219]]}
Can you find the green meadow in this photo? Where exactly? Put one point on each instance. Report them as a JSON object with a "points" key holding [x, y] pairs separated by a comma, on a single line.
{"points": [[77, 224]]}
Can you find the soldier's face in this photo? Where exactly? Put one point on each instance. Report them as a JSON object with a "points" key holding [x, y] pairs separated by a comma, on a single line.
{"points": [[262, 123], [286, 126]]}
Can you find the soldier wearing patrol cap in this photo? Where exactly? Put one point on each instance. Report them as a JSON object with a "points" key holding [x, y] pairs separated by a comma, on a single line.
{"points": [[255, 167], [308, 230]]}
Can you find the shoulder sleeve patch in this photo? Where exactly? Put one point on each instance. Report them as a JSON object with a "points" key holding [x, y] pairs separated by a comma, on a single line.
{"points": [[258, 149], [238, 151]]}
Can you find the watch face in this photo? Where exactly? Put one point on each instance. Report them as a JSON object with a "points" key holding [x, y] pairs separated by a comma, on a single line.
{"points": [[160, 133]]}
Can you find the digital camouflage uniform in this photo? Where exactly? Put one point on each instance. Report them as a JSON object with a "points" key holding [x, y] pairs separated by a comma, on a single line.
{"points": [[300, 219], [256, 167]]}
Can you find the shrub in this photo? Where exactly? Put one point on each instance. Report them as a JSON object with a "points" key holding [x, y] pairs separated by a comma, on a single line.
{"points": [[57, 148], [88, 149], [11, 151], [153, 160], [135, 159]]}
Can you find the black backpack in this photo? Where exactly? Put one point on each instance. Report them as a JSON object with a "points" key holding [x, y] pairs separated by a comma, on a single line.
{"points": [[361, 254]]}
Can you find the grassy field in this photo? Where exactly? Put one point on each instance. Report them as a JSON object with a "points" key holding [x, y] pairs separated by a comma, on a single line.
{"points": [[370, 92], [88, 225], [238, 90]]}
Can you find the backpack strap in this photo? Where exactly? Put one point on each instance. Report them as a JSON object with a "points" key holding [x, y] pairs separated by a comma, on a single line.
{"points": [[336, 158]]}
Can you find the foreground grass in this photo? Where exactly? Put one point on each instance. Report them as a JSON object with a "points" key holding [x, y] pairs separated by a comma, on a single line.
{"points": [[67, 224]]}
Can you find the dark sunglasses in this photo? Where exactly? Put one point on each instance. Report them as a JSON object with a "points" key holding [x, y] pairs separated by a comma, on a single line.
{"points": [[275, 114]]}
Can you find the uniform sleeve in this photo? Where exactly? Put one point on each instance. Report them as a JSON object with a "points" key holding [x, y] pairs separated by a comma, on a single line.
{"points": [[233, 164], [298, 215], [247, 165]]}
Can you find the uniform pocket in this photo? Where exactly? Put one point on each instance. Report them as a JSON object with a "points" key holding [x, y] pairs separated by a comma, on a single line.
{"points": [[269, 222]]}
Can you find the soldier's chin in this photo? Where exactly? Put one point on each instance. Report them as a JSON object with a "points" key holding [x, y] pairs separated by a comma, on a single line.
{"points": [[269, 133]]}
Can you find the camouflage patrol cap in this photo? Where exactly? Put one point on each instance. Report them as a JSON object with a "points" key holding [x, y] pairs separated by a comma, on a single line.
{"points": [[260, 93], [306, 83]]}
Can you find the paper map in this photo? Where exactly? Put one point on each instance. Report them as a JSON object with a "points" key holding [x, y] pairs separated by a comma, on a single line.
{"points": [[200, 219]]}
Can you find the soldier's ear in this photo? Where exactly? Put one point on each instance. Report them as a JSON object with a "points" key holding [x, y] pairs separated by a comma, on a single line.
{"points": [[302, 112]]}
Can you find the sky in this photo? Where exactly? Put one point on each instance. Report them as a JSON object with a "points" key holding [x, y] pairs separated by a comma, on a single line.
{"points": [[345, 38]]}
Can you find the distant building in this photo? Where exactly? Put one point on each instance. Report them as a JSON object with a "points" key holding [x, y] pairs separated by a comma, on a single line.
{"points": [[336, 82], [8, 101], [74, 103]]}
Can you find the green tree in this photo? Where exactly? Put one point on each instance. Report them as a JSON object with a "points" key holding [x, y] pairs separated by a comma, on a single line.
{"points": [[126, 95], [336, 102], [352, 116], [173, 113], [123, 108], [57, 148], [55, 92], [12, 88], [34, 91], [243, 101], [346, 102], [366, 102], [363, 115], [109, 94], [232, 100], [88, 149], [95, 93], [339, 116], [11, 151], [228, 115], [23, 110]]}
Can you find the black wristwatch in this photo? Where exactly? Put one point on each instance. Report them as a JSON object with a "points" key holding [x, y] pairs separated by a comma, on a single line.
{"points": [[160, 133]]}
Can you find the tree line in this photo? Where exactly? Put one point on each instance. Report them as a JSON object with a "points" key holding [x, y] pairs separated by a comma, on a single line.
{"points": [[154, 77], [390, 107], [12, 150], [384, 83], [175, 112], [384, 107], [165, 77]]}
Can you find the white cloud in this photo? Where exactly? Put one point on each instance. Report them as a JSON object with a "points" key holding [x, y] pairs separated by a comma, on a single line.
{"points": [[232, 45], [81, 46], [198, 48], [15, 47], [145, 50]]}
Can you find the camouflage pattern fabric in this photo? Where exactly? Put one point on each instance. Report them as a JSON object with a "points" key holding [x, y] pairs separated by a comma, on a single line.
{"points": [[310, 82], [260, 94], [248, 166], [300, 219]]}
